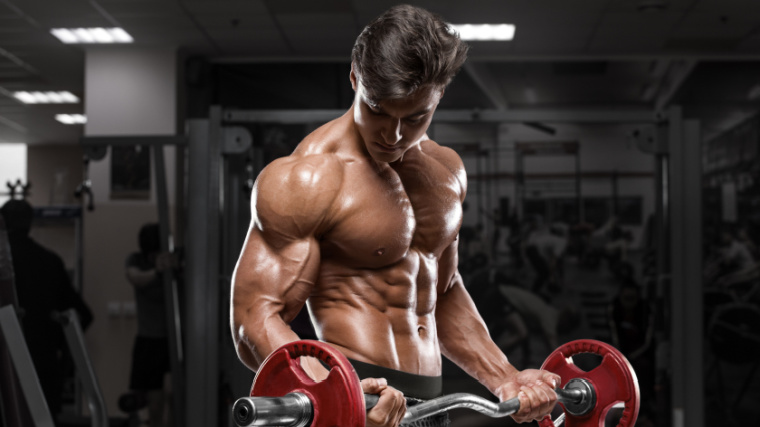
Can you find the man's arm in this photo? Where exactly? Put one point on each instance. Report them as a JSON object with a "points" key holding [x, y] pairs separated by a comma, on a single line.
{"points": [[279, 263], [465, 340]]}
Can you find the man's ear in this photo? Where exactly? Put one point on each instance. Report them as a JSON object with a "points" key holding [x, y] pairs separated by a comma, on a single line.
{"points": [[352, 77]]}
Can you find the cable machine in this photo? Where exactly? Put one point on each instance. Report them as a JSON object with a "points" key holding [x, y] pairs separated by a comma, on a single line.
{"points": [[545, 184]]}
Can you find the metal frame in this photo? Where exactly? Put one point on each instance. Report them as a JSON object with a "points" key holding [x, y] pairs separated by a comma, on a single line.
{"points": [[686, 291], [170, 287], [459, 116], [72, 330], [202, 292], [22, 361]]}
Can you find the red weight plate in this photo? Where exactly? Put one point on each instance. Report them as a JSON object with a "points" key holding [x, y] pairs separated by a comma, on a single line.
{"points": [[614, 381], [338, 401]]}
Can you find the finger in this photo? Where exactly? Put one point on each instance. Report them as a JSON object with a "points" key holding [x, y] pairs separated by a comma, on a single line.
{"points": [[374, 385], [535, 402], [399, 409], [388, 407], [547, 398], [552, 379], [521, 415], [537, 397]]}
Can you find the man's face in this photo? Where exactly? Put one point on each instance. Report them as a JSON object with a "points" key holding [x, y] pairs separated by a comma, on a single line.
{"points": [[390, 127]]}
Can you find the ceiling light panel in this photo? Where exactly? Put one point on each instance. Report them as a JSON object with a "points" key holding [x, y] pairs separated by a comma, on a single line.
{"points": [[46, 97], [92, 35], [71, 119], [484, 32]]}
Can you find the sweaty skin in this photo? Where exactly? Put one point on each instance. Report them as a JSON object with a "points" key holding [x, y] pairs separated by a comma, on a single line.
{"points": [[360, 223]]}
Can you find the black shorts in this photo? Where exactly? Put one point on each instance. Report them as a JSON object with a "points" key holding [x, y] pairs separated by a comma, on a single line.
{"points": [[416, 388], [150, 363]]}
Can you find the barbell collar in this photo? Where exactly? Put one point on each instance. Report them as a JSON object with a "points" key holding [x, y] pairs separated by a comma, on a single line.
{"points": [[578, 396], [291, 410]]}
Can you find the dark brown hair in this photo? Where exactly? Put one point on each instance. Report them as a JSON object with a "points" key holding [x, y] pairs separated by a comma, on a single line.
{"points": [[403, 49]]}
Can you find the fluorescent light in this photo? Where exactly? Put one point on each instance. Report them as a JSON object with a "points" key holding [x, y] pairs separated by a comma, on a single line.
{"points": [[484, 32], [64, 35], [38, 97], [71, 119], [25, 97], [84, 35], [120, 36], [92, 35], [101, 35], [41, 98], [55, 98], [69, 97]]}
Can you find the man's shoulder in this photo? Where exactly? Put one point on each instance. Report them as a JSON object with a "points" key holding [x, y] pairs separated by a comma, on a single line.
{"points": [[302, 173], [447, 157], [298, 191]]}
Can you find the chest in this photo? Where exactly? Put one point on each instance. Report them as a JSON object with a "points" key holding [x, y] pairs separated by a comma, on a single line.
{"points": [[385, 215]]}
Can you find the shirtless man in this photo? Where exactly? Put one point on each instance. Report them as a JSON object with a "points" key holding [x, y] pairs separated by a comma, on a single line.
{"points": [[360, 223]]}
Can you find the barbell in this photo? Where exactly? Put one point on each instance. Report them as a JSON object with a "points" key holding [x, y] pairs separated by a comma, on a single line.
{"points": [[284, 395]]}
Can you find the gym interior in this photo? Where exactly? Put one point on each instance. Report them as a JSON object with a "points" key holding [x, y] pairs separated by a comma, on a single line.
{"points": [[612, 150]]}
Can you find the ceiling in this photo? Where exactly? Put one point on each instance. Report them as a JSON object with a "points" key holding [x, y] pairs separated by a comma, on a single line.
{"points": [[702, 54]]}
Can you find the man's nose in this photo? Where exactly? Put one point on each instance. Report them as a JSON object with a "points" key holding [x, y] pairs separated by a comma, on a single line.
{"points": [[392, 132]]}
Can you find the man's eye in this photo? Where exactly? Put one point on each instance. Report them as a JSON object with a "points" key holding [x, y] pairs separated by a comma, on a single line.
{"points": [[414, 121]]}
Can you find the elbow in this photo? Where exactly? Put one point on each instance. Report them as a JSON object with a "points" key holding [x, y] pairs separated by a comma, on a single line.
{"points": [[245, 348]]}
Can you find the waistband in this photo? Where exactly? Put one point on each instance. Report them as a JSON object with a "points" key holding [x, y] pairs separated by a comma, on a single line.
{"points": [[412, 385]]}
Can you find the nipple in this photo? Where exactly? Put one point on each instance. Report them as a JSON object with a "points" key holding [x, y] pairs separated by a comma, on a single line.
{"points": [[379, 251]]}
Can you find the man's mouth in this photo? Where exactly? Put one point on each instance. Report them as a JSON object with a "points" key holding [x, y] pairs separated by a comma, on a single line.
{"points": [[385, 148]]}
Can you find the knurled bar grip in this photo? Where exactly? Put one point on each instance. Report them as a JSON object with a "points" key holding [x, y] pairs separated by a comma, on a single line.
{"points": [[295, 409]]}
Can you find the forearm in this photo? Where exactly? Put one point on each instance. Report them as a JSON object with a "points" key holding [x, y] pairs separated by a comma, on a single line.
{"points": [[464, 339], [258, 336]]}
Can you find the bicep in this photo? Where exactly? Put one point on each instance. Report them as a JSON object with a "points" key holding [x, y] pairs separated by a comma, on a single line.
{"points": [[274, 278], [279, 262]]}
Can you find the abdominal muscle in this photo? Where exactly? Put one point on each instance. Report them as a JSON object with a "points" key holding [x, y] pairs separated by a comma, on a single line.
{"points": [[381, 316]]}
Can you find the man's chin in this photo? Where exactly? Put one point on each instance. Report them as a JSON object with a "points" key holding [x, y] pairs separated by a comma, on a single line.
{"points": [[387, 157]]}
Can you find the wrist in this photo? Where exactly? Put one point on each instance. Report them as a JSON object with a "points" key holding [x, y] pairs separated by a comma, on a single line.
{"points": [[506, 383]]}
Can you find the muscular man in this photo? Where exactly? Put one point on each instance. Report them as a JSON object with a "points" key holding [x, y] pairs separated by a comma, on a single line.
{"points": [[360, 223]]}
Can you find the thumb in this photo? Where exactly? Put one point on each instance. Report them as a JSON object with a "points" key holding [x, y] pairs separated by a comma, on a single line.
{"points": [[374, 385]]}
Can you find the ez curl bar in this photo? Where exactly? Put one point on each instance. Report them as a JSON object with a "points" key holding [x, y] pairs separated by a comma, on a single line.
{"points": [[283, 395]]}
